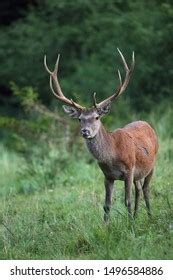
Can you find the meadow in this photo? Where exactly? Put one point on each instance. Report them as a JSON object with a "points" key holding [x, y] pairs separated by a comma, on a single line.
{"points": [[51, 198]]}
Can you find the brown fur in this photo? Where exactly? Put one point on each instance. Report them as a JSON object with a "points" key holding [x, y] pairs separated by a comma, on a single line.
{"points": [[126, 154]]}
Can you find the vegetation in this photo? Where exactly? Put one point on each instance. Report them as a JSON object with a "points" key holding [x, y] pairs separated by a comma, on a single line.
{"points": [[52, 195], [88, 54], [51, 190]]}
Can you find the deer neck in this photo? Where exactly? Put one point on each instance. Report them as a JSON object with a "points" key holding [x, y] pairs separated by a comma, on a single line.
{"points": [[99, 146]]}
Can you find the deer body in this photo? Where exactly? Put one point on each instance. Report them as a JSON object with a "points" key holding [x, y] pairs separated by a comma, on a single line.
{"points": [[126, 154], [133, 147]]}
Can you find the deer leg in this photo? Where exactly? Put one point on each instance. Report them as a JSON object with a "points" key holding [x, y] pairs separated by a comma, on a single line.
{"points": [[145, 189], [108, 197], [138, 189], [128, 190]]}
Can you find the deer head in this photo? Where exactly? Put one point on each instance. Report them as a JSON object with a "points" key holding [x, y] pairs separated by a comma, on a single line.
{"points": [[89, 118]]}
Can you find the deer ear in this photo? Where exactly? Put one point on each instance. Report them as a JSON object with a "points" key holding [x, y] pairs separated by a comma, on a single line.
{"points": [[71, 111], [105, 109]]}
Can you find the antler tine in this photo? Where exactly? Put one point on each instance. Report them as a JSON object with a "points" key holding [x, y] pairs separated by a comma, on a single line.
{"points": [[57, 65], [45, 65], [55, 86], [123, 84], [53, 74], [52, 89], [133, 60], [123, 59], [94, 100], [128, 71], [120, 79]]}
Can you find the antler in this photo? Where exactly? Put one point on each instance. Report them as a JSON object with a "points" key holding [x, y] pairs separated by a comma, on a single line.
{"points": [[122, 85], [55, 86]]}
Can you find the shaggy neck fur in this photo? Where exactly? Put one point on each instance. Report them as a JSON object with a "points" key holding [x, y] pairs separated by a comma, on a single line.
{"points": [[99, 146]]}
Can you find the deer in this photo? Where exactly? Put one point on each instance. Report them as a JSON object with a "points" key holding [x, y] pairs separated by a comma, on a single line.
{"points": [[127, 154]]}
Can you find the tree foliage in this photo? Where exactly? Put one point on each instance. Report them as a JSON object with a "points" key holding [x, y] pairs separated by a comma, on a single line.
{"points": [[86, 34]]}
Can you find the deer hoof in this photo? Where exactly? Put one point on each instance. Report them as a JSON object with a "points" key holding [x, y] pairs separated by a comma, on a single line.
{"points": [[107, 209], [106, 218]]}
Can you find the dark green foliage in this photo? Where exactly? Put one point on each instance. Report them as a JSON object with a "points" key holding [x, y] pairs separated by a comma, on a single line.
{"points": [[11, 10], [86, 33]]}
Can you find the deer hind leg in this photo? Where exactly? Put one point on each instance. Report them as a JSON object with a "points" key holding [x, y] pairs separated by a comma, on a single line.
{"points": [[138, 190], [145, 189], [128, 191], [108, 197]]}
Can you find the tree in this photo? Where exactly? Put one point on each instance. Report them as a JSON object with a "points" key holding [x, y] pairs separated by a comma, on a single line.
{"points": [[86, 33]]}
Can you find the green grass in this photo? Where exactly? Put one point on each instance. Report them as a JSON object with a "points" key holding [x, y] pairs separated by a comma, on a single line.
{"points": [[51, 208]]}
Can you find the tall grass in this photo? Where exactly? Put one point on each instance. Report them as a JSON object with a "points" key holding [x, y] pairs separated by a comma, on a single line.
{"points": [[51, 204]]}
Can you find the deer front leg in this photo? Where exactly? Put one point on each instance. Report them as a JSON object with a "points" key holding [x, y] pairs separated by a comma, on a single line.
{"points": [[128, 191], [108, 197]]}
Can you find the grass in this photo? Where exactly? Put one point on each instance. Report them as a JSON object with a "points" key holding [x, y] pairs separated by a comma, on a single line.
{"points": [[51, 208]]}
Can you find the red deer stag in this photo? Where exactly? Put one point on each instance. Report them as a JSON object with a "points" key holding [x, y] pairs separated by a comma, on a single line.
{"points": [[126, 154]]}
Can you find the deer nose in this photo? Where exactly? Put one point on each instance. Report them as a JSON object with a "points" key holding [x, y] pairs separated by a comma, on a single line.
{"points": [[85, 132]]}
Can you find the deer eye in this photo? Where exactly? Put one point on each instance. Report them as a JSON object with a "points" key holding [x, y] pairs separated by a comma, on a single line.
{"points": [[97, 118], [79, 119]]}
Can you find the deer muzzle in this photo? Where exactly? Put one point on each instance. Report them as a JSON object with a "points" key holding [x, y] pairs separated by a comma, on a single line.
{"points": [[85, 133]]}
